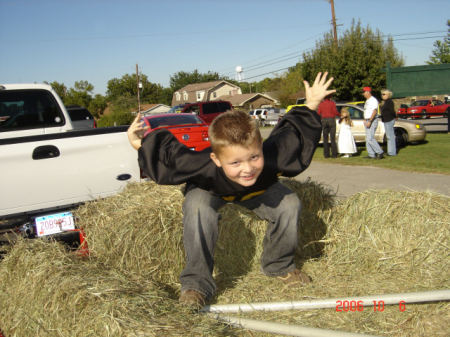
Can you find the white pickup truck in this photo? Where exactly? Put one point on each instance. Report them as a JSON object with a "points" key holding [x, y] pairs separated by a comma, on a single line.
{"points": [[46, 168]]}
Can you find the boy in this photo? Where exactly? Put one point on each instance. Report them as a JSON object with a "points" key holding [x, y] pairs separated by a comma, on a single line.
{"points": [[241, 169]]}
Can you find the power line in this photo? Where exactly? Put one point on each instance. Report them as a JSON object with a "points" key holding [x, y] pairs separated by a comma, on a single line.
{"points": [[412, 38]]}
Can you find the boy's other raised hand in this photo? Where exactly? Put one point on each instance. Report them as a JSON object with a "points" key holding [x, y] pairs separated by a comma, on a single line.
{"points": [[316, 93], [136, 132]]}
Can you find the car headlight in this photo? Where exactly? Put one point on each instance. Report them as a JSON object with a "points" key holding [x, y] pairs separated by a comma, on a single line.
{"points": [[419, 126]]}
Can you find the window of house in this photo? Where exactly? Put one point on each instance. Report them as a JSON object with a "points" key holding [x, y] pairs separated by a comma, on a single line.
{"points": [[214, 94], [185, 96], [198, 97], [178, 96]]}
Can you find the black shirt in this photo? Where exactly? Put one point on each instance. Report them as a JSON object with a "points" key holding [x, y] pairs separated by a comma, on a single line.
{"points": [[288, 151]]}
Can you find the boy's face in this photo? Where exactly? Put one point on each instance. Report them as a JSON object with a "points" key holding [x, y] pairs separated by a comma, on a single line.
{"points": [[240, 164]]}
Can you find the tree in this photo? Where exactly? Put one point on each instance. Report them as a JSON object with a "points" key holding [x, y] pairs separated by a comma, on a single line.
{"points": [[182, 78], [289, 83], [355, 63], [442, 52], [165, 96], [60, 89], [80, 94], [127, 86], [98, 105]]}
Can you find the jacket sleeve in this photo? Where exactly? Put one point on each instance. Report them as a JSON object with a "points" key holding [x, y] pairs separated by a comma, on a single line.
{"points": [[168, 162], [293, 141]]}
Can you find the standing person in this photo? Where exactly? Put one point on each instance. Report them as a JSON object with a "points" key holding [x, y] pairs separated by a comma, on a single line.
{"points": [[327, 110], [346, 142], [371, 124], [240, 169], [389, 116]]}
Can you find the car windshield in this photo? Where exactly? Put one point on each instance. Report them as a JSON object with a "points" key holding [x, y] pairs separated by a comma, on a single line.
{"points": [[419, 103], [182, 119], [176, 108]]}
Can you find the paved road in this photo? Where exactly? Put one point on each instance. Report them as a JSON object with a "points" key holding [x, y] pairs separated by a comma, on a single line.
{"points": [[348, 180]]}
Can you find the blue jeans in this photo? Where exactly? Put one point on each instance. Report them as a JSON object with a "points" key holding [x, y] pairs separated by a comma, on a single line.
{"points": [[390, 135], [278, 205], [373, 148]]}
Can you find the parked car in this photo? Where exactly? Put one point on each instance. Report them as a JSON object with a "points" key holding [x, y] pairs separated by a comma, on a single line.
{"points": [[403, 108], [267, 116], [422, 108], [207, 111], [189, 129], [81, 117], [405, 131]]}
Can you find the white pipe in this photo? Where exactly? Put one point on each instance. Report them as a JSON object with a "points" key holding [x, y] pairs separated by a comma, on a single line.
{"points": [[367, 301], [282, 329]]}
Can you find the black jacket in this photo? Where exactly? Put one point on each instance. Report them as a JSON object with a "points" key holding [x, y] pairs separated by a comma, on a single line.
{"points": [[288, 151], [387, 111]]}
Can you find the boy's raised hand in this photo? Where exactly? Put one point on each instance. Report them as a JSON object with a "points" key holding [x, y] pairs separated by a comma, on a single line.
{"points": [[316, 93], [136, 132]]}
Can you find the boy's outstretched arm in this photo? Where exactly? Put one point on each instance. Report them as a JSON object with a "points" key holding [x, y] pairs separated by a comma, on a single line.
{"points": [[316, 93], [136, 132]]}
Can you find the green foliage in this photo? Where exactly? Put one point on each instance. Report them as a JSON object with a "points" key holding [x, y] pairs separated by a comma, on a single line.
{"points": [[289, 83], [442, 52], [116, 119], [165, 96], [81, 94], [124, 103], [127, 86], [60, 89], [182, 78], [355, 63], [98, 105]]}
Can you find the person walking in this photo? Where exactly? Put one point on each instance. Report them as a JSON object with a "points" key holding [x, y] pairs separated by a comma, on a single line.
{"points": [[389, 116], [328, 112], [371, 124]]}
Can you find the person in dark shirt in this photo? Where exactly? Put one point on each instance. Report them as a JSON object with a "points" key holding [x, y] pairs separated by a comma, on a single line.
{"points": [[389, 116], [327, 110], [238, 168]]}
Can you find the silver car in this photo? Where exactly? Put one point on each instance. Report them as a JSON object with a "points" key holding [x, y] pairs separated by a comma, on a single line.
{"points": [[406, 131]]}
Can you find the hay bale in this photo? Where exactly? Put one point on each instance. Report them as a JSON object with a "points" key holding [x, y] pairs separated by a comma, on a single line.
{"points": [[140, 231], [374, 242]]}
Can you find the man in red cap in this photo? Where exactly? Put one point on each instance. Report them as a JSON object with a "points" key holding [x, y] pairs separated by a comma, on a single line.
{"points": [[371, 124]]}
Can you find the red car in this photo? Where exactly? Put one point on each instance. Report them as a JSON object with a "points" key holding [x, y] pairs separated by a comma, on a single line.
{"points": [[422, 108], [190, 130]]}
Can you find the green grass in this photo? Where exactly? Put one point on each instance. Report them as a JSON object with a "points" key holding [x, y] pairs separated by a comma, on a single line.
{"points": [[430, 156]]}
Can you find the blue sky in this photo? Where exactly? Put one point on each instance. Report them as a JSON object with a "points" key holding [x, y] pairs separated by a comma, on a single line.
{"points": [[96, 41]]}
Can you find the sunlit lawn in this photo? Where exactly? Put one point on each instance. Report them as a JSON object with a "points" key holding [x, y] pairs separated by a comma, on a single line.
{"points": [[431, 156]]}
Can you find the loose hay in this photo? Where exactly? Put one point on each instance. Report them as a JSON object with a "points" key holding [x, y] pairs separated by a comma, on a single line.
{"points": [[374, 242]]}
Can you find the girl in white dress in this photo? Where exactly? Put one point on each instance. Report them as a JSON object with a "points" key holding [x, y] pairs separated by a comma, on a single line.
{"points": [[346, 141]]}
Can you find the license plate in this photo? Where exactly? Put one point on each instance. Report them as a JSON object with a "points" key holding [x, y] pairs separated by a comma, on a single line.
{"points": [[54, 223]]}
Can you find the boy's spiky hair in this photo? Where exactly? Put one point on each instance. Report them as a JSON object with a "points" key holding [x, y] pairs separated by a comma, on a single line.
{"points": [[235, 127]]}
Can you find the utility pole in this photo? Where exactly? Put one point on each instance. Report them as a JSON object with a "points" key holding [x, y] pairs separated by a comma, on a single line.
{"points": [[137, 84], [334, 23]]}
